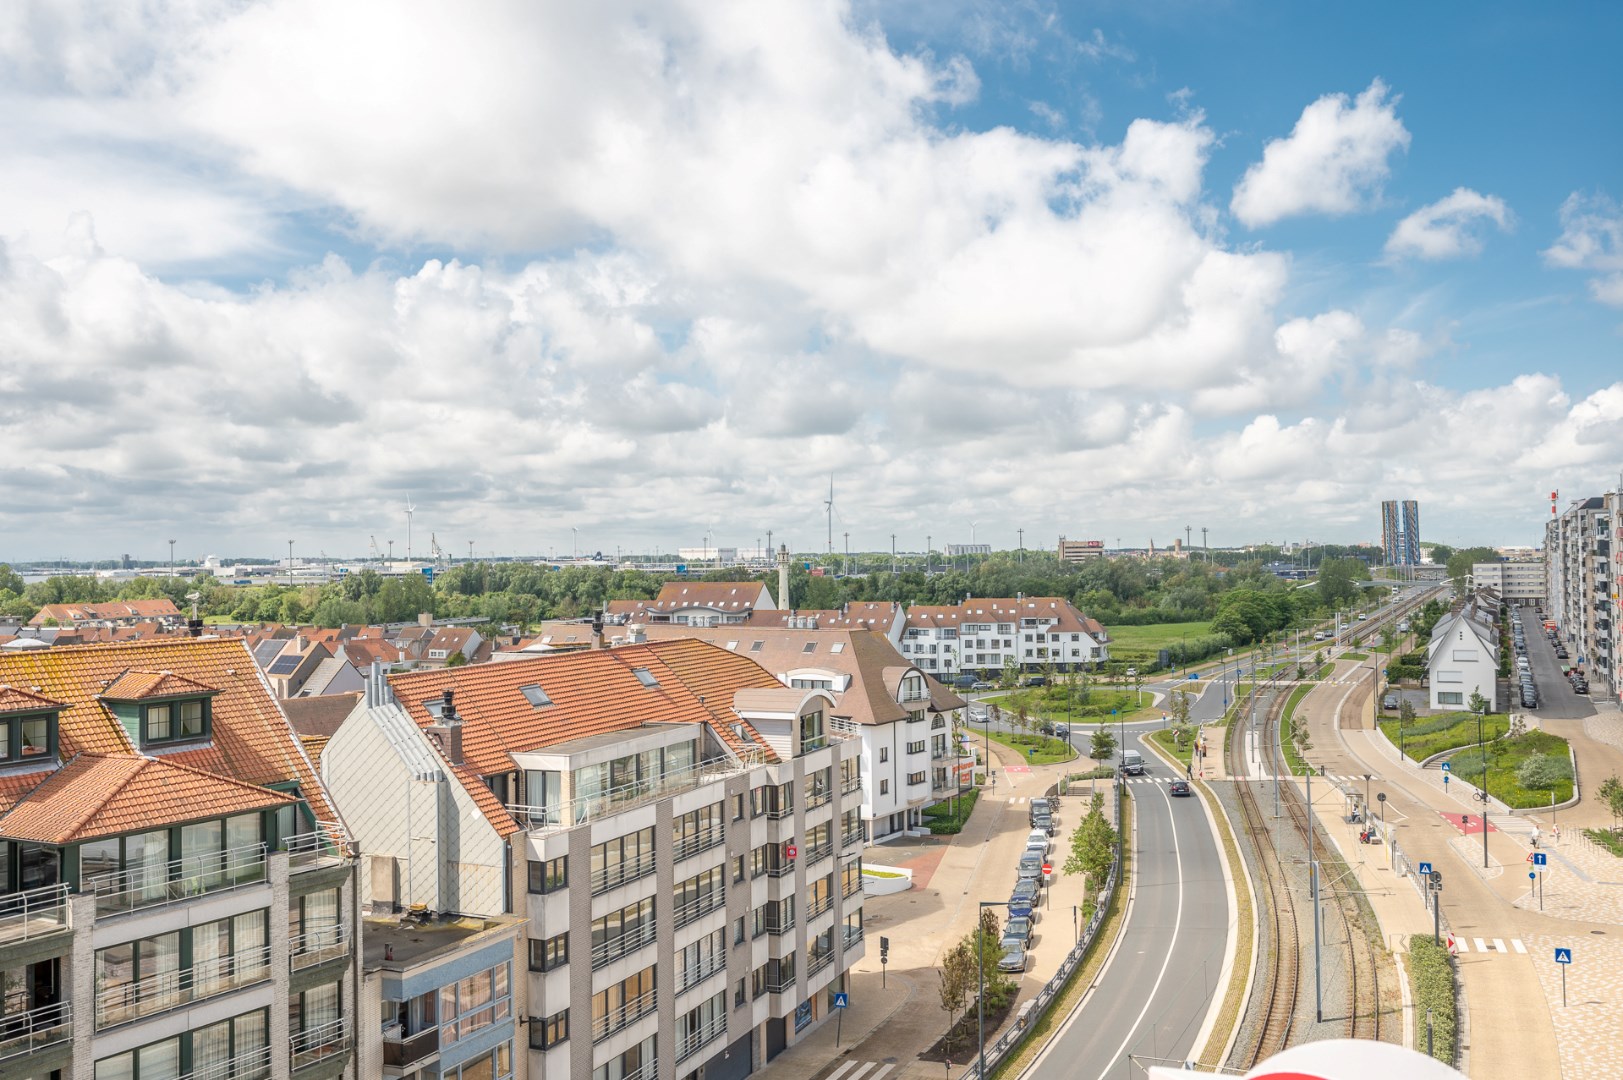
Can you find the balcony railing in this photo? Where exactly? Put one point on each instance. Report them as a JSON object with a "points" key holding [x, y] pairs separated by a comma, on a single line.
{"points": [[689, 977], [853, 934], [693, 1041], [24, 1033], [778, 813], [404, 1051], [629, 1013], [849, 729], [787, 866], [852, 887], [781, 984], [328, 845], [819, 961], [318, 946], [853, 836], [570, 812], [648, 1070], [821, 906], [28, 915], [819, 852], [814, 799], [780, 924], [167, 990], [703, 840], [851, 786], [319, 1043], [816, 742], [607, 877], [168, 883], [700, 906], [248, 1065], [605, 952]]}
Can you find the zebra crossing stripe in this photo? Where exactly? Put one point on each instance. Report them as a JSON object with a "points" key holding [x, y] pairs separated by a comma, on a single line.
{"points": [[841, 1071], [1516, 942], [1481, 946], [882, 1070], [1461, 946], [1499, 945]]}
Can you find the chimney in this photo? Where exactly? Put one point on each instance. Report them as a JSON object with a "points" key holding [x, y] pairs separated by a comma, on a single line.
{"points": [[783, 575], [597, 630], [446, 731], [377, 690], [425, 618]]}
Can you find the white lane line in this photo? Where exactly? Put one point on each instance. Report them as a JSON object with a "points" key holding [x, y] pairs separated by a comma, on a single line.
{"points": [[1516, 943], [1172, 944]]}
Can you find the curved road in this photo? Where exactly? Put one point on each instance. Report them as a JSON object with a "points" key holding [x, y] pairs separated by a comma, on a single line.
{"points": [[1152, 996]]}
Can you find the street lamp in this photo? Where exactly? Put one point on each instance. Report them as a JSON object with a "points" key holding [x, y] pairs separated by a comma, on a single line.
{"points": [[1366, 795], [980, 982]]}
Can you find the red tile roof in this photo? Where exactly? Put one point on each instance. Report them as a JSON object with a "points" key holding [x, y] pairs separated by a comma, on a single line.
{"points": [[64, 614], [13, 700], [140, 685]]}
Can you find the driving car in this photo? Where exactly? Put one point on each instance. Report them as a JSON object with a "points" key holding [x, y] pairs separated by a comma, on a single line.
{"points": [[981, 684], [1179, 787], [1132, 763], [1014, 958], [1390, 701]]}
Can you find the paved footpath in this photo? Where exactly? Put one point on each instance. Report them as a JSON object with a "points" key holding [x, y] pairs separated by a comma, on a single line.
{"points": [[896, 1014]]}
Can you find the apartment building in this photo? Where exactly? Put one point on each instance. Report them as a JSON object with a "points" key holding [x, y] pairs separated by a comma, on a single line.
{"points": [[1518, 581], [674, 832], [112, 613], [695, 603], [1077, 551], [904, 720], [985, 635], [1400, 532], [177, 898], [1583, 565], [1462, 655]]}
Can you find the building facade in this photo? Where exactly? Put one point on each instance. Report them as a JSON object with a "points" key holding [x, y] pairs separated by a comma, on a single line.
{"points": [[984, 636], [1076, 551], [1400, 532], [1521, 581], [1583, 568], [1463, 656]]}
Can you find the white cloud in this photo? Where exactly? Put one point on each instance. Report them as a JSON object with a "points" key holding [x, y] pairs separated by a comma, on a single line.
{"points": [[1333, 162], [1592, 239], [1450, 227]]}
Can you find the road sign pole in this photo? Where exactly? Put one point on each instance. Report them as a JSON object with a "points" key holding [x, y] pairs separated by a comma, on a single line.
{"points": [[839, 1025], [1436, 918]]}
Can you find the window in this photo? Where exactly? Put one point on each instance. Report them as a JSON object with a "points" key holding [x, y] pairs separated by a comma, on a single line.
{"points": [[884, 754], [621, 932], [623, 859], [314, 1009], [314, 925], [697, 830], [755, 646], [1451, 697], [141, 977], [811, 646], [738, 868], [757, 801], [811, 732], [175, 721], [740, 992], [739, 933], [550, 953], [623, 1003], [916, 747], [213, 1048], [474, 1003], [645, 677], [915, 777], [884, 787], [629, 1063], [547, 1032], [28, 738], [535, 695], [738, 807], [549, 876], [494, 1064]]}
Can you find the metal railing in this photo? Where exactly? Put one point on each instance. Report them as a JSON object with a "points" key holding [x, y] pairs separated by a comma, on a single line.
{"points": [[819, 961], [703, 840], [24, 1033], [814, 799], [318, 946], [26, 915], [648, 1070], [629, 1013], [778, 813], [787, 866], [182, 879], [852, 887], [626, 870], [852, 786], [852, 936], [700, 906], [820, 907], [317, 1043], [780, 924], [577, 811], [781, 984], [852, 837], [819, 852], [694, 1041], [167, 990], [248, 1065], [328, 845], [404, 1051], [816, 742], [689, 977], [605, 952]]}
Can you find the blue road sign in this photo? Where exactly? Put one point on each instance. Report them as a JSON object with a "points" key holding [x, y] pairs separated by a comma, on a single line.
{"points": [[1193, 675], [841, 1000], [1445, 780], [1447, 767], [1563, 956], [681, 568], [1425, 868], [1540, 859]]}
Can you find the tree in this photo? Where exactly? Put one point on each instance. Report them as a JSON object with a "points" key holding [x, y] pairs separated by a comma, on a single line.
{"points": [[1543, 772], [1103, 745], [1182, 732], [1478, 703], [958, 968], [1180, 706], [1010, 676], [1611, 793], [1093, 844]]}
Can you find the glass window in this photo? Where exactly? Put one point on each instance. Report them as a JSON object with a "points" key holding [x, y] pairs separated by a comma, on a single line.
{"points": [[159, 725], [190, 724], [551, 875], [201, 849], [36, 736]]}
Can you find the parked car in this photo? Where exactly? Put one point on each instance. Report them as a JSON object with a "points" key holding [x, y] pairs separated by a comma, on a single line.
{"points": [[1038, 806], [1390, 701], [1037, 680], [1030, 868], [980, 684], [1047, 823], [1037, 836], [1020, 928], [1179, 787], [1014, 958], [1062, 731], [1023, 901], [1529, 698]]}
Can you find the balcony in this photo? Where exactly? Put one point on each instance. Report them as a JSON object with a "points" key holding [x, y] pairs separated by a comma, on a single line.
{"points": [[173, 882], [28, 915], [780, 924], [326, 846], [852, 887], [626, 870], [851, 786], [319, 1043], [27, 1033], [605, 952], [248, 1065], [787, 866], [700, 906], [814, 799], [123, 1002], [693, 1041], [318, 946], [819, 961], [853, 936], [629, 1013], [571, 812], [781, 984], [703, 840], [649, 1070], [816, 742], [778, 813], [819, 852], [404, 1052], [689, 977], [820, 906]]}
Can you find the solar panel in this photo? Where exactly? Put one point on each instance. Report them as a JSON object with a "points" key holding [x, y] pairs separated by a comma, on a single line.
{"points": [[287, 665], [535, 695], [645, 676]]}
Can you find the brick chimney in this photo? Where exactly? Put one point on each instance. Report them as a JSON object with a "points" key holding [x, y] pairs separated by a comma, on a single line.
{"points": [[446, 730]]}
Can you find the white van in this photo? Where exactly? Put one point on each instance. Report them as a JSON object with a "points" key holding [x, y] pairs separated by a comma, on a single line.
{"points": [[1132, 763]]}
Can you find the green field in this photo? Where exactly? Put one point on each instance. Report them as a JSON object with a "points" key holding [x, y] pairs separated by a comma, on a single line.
{"points": [[1063, 703], [1048, 750], [1422, 738], [1505, 756], [1146, 640]]}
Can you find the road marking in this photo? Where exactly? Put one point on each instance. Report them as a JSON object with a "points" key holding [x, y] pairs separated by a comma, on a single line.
{"points": [[1172, 944], [881, 1071], [1517, 943], [1499, 945], [837, 1073], [1481, 946]]}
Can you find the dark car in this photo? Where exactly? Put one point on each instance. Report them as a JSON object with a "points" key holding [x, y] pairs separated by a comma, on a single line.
{"points": [[1037, 680], [1023, 901], [1390, 701], [1180, 787], [1529, 699]]}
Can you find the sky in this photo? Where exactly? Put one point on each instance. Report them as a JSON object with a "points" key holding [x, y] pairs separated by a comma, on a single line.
{"points": [[633, 276]]}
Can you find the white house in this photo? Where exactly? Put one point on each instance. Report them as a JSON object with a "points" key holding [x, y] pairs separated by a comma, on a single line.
{"points": [[1463, 658]]}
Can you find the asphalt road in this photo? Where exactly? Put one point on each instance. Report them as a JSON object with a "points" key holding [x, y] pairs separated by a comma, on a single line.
{"points": [[1556, 698], [1152, 997]]}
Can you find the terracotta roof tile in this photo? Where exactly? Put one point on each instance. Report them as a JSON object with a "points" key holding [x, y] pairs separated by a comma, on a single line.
{"points": [[13, 700], [140, 685], [96, 796], [486, 800]]}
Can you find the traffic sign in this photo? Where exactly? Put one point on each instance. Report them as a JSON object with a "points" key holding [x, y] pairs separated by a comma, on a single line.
{"points": [[1540, 859], [1193, 675], [428, 573], [1447, 767], [1425, 868], [1563, 956], [1048, 869], [842, 1000]]}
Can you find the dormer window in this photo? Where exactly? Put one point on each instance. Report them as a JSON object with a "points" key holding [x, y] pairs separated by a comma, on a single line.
{"points": [[26, 738], [161, 709], [165, 722]]}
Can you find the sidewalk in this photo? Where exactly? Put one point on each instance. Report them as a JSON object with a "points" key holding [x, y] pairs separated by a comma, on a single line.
{"points": [[895, 1016]]}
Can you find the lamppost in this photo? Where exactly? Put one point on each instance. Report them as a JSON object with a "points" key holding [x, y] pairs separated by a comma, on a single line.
{"points": [[1366, 797], [1482, 752], [171, 558], [980, 983], [290, 562]]}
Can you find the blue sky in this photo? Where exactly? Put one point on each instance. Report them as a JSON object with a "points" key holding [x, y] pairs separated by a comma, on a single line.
{"points": [[653, 271]]}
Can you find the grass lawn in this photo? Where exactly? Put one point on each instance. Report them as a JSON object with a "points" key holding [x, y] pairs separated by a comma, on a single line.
{"points": [[1607, 839], [941, 819], [1447, 731], [1048, 750], [1505, 757], [1063, 704], [1155, 636], [1293, 760], [1184, 753], [1354, 656]]}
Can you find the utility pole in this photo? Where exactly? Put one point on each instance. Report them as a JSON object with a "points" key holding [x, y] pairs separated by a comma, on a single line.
{"points": [[290, 562], [892, 554], [927, 547], [470, 551], [1022, 533], [171, 558], [1207, 548], [769, 546], [848, 554]]}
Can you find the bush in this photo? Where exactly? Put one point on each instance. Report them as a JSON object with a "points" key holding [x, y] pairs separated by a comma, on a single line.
{"points": [[1543, 772], [1431, 980]]}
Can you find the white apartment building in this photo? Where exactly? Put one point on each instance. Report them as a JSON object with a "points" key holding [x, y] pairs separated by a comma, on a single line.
{"points": [[985, 635], [677, 833], [1463, 657], [1517, 582], [1583, 564]]}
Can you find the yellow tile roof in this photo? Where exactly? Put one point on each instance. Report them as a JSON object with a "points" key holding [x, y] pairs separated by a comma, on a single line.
{"points": [[95, 796]]}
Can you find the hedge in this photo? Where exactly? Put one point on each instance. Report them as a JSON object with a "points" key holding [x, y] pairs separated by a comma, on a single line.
{"points": [[1431, 981]]}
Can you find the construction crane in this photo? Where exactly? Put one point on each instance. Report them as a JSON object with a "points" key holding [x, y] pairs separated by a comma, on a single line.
{"points": [[376, 554], [434, 546]]}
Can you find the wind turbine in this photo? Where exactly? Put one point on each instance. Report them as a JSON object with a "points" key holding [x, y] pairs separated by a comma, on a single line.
{"points": [[410, 509]]}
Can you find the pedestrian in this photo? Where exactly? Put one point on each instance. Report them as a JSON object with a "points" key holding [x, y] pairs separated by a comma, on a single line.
{"points": [[1189, 771], [1557, 830], [1535, 837]]}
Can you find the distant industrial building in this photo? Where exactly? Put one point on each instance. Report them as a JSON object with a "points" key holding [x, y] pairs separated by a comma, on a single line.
{"points": [[1080, 550], [968, 549], [1400, 532]]}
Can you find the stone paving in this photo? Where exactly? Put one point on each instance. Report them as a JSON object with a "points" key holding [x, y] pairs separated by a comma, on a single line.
{"points": [[1586, 1028]]}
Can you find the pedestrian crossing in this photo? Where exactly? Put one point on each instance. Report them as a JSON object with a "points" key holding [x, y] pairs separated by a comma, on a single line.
{"points": [[1463, 944], [861, 1070]]}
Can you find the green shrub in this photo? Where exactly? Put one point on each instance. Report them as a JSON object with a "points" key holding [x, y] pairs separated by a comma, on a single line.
{"points": [[1543, 772], [1431, 981]]}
